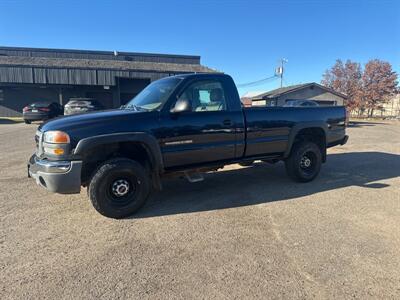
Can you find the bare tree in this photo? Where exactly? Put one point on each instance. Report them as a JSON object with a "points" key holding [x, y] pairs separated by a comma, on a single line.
{"points": [[379, 84]]}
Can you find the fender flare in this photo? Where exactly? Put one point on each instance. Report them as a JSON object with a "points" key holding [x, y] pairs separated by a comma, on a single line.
{"points": [[146, 140], [300, 126]]}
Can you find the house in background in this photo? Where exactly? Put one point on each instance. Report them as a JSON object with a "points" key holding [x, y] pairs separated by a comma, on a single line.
{"points": [[248, 96], [390, 109], [308, 91]]}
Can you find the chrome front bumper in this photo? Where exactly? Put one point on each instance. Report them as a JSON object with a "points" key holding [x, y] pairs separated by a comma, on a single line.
{"points": [[62, 177]]}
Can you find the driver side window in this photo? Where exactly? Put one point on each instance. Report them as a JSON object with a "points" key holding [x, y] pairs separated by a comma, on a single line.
{"points": [[205, 96]]}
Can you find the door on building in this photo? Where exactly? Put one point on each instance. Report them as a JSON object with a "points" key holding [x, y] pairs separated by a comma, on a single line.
{"points": [[130, 87], [104, 98]]}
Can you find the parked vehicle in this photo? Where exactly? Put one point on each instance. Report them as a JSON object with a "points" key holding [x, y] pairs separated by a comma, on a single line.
{"points": [[40, 111], [177, 126], [300, 103], [81, 105]]}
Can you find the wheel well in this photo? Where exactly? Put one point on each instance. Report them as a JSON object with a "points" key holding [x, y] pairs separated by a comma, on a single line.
{"points": [[97, 155], [313, 134]]}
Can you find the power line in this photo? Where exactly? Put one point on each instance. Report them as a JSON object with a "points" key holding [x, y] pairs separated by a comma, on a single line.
{"points": [[257, 82], [278, 74]]}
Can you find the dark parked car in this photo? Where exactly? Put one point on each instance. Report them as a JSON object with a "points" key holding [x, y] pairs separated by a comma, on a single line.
{"points": [[300, 103], [40, 111], [177, 126], [81, 105]]}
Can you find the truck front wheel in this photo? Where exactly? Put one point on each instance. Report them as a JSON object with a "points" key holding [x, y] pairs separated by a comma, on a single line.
{"points": [[119, 188], [304, 162]]}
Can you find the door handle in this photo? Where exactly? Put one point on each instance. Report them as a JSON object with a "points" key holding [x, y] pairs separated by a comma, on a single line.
{"points": [[227, 122]]}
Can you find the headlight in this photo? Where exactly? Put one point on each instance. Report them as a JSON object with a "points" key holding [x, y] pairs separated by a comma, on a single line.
{"points": [[56, 137], [56, 143]]}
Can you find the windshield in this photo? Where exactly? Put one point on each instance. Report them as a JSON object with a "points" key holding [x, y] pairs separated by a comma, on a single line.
{"points": [[154, 95]]}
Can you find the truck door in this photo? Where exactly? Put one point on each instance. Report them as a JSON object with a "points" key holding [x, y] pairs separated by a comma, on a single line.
{"points": [[206, 132]]}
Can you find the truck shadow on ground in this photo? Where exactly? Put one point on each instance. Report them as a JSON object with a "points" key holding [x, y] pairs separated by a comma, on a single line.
{"points": [[263, 183], [358, 124]]}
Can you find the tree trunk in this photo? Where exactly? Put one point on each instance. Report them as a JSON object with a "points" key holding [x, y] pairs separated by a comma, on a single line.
{"points": [[371, 113]]}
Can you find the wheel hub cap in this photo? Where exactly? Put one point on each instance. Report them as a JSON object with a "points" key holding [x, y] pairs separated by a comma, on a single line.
{"points": [[305, 162], [120, 187]]}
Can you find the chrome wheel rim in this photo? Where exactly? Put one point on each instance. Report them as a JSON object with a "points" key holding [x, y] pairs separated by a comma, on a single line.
{"points": [[120, 187], [305, 162], [308, 163]]}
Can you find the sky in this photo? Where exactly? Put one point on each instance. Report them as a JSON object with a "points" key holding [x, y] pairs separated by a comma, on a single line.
{"points": [[245, 39]]}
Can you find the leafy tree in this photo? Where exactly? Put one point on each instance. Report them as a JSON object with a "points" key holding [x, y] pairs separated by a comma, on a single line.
{"points": [[379, 84], [367, 89], [347, 79]]}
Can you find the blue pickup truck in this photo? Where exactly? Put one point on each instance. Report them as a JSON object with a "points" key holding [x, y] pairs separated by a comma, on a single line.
{"points": [[183, 125]]}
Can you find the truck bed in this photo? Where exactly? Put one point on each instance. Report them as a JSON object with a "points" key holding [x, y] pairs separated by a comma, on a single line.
{"points": [[269, 129]]}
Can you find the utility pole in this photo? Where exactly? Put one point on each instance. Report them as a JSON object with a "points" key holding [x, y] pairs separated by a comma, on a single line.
{"points": [[279, 70]]}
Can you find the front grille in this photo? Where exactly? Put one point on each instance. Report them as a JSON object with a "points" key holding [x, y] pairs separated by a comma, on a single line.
{"points": [[39, 142]]}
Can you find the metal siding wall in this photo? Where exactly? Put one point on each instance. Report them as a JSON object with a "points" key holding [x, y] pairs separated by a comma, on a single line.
{"points": [[40, 75], [57, 76], [84, 77], [152, 75], [16, 74], [105, 78], [157, 76], [122, 74]]}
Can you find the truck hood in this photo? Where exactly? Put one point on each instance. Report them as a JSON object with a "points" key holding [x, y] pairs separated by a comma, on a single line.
{"points": [[96, 123], [64, 122]]}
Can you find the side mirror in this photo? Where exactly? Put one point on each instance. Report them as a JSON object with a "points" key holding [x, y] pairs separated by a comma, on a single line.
{"points": [[181, 105]]}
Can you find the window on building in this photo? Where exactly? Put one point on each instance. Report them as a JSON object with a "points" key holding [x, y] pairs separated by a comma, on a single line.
{"points": [[1, 95]]}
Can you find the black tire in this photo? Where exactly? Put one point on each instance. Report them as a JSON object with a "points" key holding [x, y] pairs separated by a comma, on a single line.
{"points": [[27, 122], [118, 176], [304, 162]]}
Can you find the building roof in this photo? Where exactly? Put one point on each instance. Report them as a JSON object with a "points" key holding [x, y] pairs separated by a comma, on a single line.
{"points": [[82, 67], [288, 89], [95, 54], [16, 61], [252, 94]]}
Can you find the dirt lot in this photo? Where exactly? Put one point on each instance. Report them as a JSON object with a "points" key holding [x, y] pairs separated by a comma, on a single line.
{"points": [[243, 232]]}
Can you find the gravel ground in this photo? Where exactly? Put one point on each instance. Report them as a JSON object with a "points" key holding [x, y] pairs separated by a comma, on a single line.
{"points": [[241, 233]]}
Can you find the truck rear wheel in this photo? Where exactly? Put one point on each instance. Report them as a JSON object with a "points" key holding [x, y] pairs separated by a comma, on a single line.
{"points": [[119, 188], [304, 162]]}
